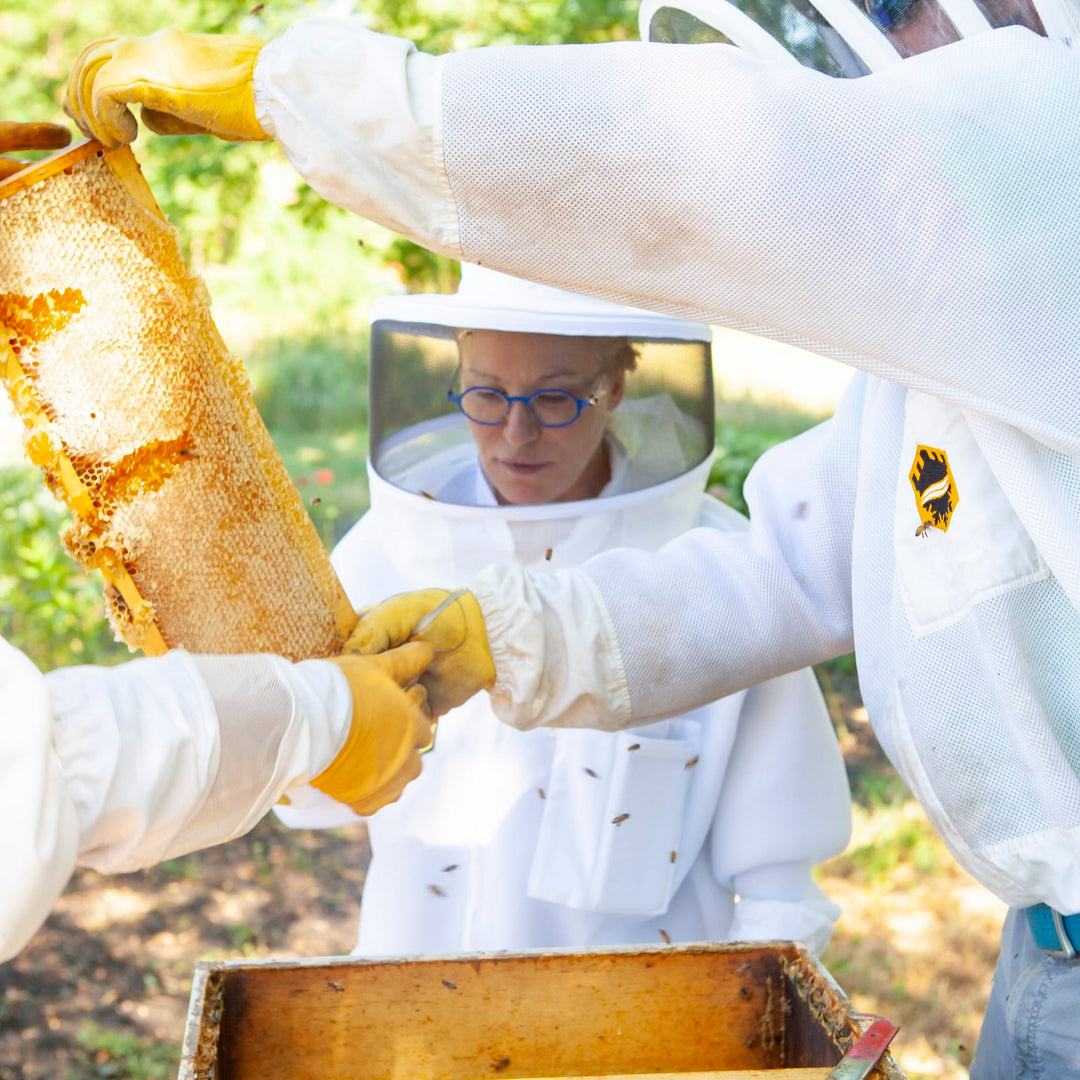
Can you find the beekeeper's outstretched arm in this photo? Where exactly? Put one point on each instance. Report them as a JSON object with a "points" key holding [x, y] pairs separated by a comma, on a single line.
{"points": [[633, 636], [919, 223], [119, 768], [911, 223]]}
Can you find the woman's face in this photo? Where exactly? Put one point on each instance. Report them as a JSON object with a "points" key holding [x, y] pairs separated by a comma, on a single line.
{"points": [[526, 463]]}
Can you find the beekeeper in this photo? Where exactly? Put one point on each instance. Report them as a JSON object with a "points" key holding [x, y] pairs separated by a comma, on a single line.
{"points": [[512, 422], [119, 768], [919, 223]]}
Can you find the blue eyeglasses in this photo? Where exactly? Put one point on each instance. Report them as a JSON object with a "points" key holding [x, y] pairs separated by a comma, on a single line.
{"points": [[553, 408]]}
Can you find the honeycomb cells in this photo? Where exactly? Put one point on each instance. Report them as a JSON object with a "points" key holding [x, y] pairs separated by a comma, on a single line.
{"points": [[144, 425]]}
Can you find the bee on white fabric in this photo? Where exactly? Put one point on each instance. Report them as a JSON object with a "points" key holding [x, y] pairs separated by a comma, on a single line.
{"points": [[925, 528]]}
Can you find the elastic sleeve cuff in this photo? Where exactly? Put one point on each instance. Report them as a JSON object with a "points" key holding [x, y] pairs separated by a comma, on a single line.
{"points": [[281, 725], [557, 660], [359, 115]]}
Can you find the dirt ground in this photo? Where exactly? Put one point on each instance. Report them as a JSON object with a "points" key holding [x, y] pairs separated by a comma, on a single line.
{"points": [[102, 991]]}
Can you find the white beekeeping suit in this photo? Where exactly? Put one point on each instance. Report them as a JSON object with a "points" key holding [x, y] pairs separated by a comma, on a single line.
{"points": [[953, 288], [565, 837], [119, 768]]}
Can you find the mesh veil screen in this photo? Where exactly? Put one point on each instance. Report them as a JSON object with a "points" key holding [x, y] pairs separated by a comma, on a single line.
{"points": [[413, 366]]}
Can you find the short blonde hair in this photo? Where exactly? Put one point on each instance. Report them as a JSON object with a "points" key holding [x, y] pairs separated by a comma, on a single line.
{"points": [[617, 356]]}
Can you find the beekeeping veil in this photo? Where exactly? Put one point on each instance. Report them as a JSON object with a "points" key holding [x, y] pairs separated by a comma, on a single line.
{"points": [[423, 460], [846, 38]]}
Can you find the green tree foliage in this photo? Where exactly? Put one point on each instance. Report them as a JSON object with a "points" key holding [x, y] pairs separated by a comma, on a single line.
{"points": [[48, 606]]}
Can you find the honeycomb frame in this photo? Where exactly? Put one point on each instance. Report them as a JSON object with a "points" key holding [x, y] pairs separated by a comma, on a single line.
{"points": [[144, 424]]}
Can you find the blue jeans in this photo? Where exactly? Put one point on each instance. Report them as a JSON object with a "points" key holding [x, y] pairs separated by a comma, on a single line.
{"points": [[1031, 1030]]}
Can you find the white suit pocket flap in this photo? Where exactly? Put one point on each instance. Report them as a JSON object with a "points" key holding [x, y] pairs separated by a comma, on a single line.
{"points": [[613, 819]]}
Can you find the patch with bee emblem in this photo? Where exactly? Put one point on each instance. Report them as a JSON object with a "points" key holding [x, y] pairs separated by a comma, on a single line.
{"points": [[936, 496]]}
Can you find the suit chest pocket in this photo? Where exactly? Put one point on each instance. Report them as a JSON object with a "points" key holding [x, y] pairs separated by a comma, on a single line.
{"points": [[612, 818]]}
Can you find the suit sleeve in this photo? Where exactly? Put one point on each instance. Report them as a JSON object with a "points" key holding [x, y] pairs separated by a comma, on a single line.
{"points": [[120, 768], [919, 223], [633, 636]]}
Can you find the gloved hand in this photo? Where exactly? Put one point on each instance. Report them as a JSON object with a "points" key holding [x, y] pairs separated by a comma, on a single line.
{"points": [[390, 724], [18, 137], [462, 664], [187, 84]]}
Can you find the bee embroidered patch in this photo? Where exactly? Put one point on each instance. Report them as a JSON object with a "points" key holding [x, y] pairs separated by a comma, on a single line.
{"points": [[936, 496]]}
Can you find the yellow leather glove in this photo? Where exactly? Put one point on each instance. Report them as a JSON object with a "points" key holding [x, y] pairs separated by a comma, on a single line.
{"points": [[390, 725], [462, 665], [187, 84], [18, 137]]}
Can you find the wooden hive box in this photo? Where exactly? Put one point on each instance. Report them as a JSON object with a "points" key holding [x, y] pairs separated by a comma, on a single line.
{"points": [[703, 1011]]}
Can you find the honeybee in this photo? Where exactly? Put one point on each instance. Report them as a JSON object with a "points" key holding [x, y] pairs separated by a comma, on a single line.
{"points": [[589, 772], [618, 819], [666, 937], [541, 792], [450, 869], [924, 529], [548, 554], [634, 746], [673, 856], [449, 985], [692, 762], [436, 890]]}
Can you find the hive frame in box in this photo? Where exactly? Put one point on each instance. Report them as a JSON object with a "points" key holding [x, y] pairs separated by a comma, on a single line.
{"points": [[759, 1010]]}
